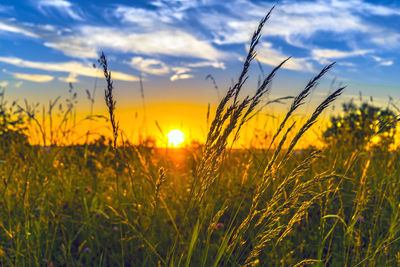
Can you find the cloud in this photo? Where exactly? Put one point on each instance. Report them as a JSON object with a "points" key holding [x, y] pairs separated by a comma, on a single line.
{"points": [[17, 29], [86, 40], [334, 53], [383, 62], [386, 63], [62, 6], [152, 66], [386, 39], [18, 84], [74, 49], [200, 30], [346, 64], [292, 21], [3, 84], [270, 56], [140, 16], [325, 56], [69, 67], [214, 64], [297, 21], [180, 74], [71, 78], [38, 78]]}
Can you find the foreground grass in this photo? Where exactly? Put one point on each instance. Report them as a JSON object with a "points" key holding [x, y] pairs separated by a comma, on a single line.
{"points": [[61, 206], [108, 205]]}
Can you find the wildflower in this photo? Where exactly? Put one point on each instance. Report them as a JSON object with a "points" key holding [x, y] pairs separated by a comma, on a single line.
{"points": [[88, 189], [360, 219], [115, 228], [86, 250], [219, 226]]}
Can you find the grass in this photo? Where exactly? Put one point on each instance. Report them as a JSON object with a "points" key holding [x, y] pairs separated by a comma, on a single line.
{"points": [[100, 204]]}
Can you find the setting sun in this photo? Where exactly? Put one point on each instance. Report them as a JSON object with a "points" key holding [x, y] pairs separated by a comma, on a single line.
{"points": [[175, 138]]}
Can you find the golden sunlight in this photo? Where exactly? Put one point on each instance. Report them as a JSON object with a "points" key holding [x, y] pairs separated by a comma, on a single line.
{"points": [[175, 138]]}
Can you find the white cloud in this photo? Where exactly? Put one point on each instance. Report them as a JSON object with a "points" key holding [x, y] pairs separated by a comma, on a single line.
{"points": [[297, 21], [142, 17], [268, 55], [334, 53], [382, 62], [152, 66], [325, 56], [290, 20], [17, 29], [375, 9], [386, 39], [3, 83], [69, 67], [62, 6], [71, 78], [386, 63], [346, 64], [88, 39], [214, 64], [38, 78], [18, 84], [177, 8], [377, 59], [180, 74], [74, 49]]}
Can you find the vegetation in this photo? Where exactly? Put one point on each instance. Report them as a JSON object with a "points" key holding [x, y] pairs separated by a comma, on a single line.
{"points": [[100, 204], [359, 125]]}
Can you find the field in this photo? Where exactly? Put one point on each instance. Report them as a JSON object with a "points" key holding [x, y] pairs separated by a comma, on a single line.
{"points": [[113, 203]]}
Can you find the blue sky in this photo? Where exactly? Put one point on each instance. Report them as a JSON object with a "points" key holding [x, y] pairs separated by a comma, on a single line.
{"points": [[174, 44]]}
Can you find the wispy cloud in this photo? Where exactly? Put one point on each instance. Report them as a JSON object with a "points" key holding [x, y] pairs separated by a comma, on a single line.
{"points": [[74, 67], [18, 84], [325, 56], [152, 66], [3, 84], [387, 39], [71, 78], [180, 74], [383, 62], [268, 55], [86, 40], [141, 16], [38, 78], [63, 7], [386, 63], [9, 27], [296, 21], [205, 33], [214, 64]]}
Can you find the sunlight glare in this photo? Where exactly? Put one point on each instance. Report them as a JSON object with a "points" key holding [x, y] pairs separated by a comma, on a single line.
{"points": [[175, 138]]}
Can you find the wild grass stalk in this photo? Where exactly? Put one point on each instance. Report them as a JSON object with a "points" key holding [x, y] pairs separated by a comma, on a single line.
{"points": [[111, 103], [109, 98]]}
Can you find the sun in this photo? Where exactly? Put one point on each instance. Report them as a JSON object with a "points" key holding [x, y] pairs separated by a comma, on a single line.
{"points": [[175, 138]]}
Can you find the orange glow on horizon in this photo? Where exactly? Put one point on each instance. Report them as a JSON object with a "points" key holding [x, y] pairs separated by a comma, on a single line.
{"points": [[187, 121]]}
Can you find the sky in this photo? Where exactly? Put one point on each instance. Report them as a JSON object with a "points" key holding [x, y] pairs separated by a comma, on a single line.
{"points": [[174, 44]]}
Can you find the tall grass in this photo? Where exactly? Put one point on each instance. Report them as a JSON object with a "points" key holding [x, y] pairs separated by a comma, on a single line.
{"points": [[279, 206]]}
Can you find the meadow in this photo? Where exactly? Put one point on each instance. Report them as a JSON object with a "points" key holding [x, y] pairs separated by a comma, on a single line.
{"points": [[108, 202]]}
